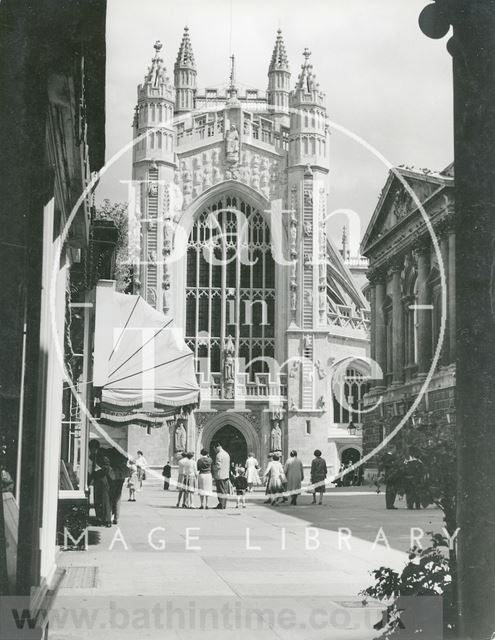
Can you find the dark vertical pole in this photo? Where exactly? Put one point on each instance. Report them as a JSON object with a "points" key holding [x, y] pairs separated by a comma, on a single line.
{"points": [[473, 51]]}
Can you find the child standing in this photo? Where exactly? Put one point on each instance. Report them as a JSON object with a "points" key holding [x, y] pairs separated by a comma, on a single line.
{"points": [[132, 481], [240, 484]]}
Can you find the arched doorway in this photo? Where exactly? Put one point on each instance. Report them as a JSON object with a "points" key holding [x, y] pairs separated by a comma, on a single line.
{"points": [[233, 442], [350, 455]]}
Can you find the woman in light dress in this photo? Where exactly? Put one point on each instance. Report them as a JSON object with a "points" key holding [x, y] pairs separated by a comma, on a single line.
{"points": [[189, 480], [252, 475], [275, 478], [205, 479], [141, 465]]}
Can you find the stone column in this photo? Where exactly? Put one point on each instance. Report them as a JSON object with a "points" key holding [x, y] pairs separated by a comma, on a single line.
{"points": [[373, 316], [423, 315], [444, 250], [380, 329], [397, 320]]}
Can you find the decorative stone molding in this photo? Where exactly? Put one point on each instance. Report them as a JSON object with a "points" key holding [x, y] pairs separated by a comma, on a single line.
{"points": [[202, 418], [395, 264], [402, 203], [294, 369], [320, 370], [264, 173], [254, 418], [377, 275], [421, 244]]}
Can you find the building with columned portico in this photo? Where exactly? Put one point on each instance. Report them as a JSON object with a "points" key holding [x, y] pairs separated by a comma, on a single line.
{"points": [[412, 295], [231, 239]]}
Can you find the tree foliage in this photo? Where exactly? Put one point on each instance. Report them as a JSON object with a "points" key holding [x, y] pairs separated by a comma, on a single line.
{"points": [[117, 212], [429, 572]]}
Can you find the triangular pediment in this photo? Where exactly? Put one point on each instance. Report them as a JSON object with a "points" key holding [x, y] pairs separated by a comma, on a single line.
{"points": [[399, 197]]}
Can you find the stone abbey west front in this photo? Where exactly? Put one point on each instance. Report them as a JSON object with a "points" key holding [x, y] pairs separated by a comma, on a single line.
{"points": [[234, 189]]}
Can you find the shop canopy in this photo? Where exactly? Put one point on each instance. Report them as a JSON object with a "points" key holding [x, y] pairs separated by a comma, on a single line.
{"points": [[141, 363]]}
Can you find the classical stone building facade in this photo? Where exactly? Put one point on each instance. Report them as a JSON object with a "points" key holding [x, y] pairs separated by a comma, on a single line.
{"points": [[412, 298], [231, 237]]}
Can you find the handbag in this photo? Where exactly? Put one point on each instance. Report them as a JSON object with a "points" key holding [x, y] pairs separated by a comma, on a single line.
{"points": [[283, 478]]}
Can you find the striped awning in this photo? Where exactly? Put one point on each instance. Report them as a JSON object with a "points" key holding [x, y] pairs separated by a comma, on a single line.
{"points": [[141, 363]]}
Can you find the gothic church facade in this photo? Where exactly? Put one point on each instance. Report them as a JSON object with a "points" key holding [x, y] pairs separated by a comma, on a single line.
{"points": [[231, 236]]}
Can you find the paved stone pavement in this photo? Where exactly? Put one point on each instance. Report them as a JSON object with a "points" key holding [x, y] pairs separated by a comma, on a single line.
{"points": [[260, 572]]}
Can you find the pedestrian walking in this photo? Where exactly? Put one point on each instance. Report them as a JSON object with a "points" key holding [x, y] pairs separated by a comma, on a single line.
{"points": [[414, 474], [388, 468], [189, 480], [241, 485], [166, 473], [294, 472], [275, 478], [267, 494], [132, 482], [99, 477], [318, 476], [252, 472], [141, 465], [205, 479], [118, 462], [221, 471], [180, 479]]}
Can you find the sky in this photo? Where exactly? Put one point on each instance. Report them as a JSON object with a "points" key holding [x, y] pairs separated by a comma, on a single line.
{"points": [[385, 82]]}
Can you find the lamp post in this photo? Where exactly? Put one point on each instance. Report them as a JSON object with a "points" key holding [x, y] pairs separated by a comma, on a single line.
{"points": [[473, 52]]}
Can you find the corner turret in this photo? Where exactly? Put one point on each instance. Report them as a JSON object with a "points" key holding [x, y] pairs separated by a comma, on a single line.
{"points": [[185, 76]]}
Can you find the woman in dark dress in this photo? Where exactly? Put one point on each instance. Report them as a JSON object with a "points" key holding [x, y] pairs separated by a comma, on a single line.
{"points": [[100, 477], [205, 479], [318, 476]]}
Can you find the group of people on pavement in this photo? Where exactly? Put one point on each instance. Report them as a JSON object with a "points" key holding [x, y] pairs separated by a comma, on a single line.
{"points": [[230, 479], [286, 480], [404, 476], [109, 469]]}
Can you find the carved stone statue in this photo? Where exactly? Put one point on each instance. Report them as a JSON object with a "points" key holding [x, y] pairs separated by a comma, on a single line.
{"points": [[180, 438], [308, 198], [294, 369], [276, 437], [293, 295], [320, 369], [228, 360], [232, 144], [168, 233]]}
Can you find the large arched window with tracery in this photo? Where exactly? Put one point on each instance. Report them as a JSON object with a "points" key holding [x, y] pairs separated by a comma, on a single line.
{"points": [[230, 285], [348, 397]]}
